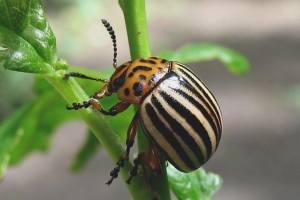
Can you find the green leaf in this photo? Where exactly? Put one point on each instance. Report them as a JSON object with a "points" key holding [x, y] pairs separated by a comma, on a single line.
{"points": [[26, 19], [87, 151], [197, 185], [41, 86], [10, 134], [28, 42], [292, 96], [235, 62], [3, 164], [19, 55], [44, 117]]}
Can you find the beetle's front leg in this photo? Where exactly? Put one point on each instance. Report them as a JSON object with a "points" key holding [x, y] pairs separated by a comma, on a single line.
{"points": [[98, 95]]}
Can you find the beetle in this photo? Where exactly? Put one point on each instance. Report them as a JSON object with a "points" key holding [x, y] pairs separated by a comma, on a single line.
{"points": [[177, 112]]}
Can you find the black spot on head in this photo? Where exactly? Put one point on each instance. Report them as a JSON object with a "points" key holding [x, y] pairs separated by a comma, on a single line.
{"points": [[142, 77], [152, 79], [138, 89], [160, 68], [147, 61], [126, 92], [145, 68], [118, 82], [163, 61], [130, 75], [155, 58]]}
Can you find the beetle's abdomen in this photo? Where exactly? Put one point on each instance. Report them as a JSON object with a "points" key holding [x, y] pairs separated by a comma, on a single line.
{"points": [[182, 119]]}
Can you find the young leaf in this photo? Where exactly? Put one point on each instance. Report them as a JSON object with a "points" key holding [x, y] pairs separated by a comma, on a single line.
{"points": [[235, 62], [19, 55], [26, 18], [29, 43], [197, 185]]}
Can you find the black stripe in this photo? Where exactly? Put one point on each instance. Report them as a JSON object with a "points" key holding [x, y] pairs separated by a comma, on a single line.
{"points": [[205, 94], [179, 130], [147, 61], [185, 83], [150, 110], [192, 120], [166, 133], [190, 71], [207, 115], [145, 68], [122, 66], [201, 109]]}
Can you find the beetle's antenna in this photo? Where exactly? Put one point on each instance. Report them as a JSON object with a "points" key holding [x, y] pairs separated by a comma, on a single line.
{"points": [[111, 32]]}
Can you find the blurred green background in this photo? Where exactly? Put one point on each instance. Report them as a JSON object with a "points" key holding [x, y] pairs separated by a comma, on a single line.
{"points": [[258, 156]]}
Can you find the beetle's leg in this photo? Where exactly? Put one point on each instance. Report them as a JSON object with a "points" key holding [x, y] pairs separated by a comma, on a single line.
{"points": [[103, 91], [129, 143], [116, 109], [154, 163], [77, 106], [151, 160]]}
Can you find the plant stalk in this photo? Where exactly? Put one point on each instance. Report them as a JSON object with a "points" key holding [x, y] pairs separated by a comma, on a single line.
{"points": [[138, 39], [72, 92]]}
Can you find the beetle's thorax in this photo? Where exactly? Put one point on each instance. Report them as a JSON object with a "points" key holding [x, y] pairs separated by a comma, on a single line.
{"points": [[132, 80]]}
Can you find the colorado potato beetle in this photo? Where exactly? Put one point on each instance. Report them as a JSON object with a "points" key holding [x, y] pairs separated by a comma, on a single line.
{"points": [[177, 112]]}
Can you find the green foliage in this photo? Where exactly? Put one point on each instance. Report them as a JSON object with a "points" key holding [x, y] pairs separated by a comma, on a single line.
{"points": [[28, 45], [10, 133], [40, 122], [20, 55], [292, 96], [194, 185], [233, 60], [26, 35]]}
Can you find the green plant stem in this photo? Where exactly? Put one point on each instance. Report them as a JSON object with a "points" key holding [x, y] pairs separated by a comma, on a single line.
{"points": [[135, 17], [72, 92], [136, 24]]}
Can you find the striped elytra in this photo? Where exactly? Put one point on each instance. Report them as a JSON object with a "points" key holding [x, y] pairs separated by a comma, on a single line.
{"points": [[178, 113], [182, 119]]}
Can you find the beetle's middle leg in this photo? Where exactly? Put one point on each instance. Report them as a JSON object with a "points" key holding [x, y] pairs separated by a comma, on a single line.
{"points": [[131, 133]]}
